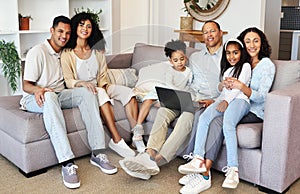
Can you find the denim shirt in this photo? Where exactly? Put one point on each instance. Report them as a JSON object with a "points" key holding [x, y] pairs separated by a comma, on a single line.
{"points": [[261, 82], [206, 69]]}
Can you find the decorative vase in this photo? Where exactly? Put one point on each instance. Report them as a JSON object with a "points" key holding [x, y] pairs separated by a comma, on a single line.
{"points": [[24, 23], [186, 23]]}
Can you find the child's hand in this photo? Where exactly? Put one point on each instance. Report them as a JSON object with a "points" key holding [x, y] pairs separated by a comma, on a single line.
{"points": [[222, 106], [234, 83]]}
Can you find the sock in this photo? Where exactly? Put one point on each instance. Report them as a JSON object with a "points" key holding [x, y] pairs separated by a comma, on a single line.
{"points": [[153, 159], [67, 162], [205, 177], [96, 152]]}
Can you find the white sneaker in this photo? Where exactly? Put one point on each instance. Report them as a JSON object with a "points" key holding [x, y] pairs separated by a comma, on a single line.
{"points": [[196, 165], [232, 177], [121, 148], [187, 178], [196, 185], [139, 145], [134, 174], [142, 163]]}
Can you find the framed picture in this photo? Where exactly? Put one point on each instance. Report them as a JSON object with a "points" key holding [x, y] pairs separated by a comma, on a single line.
{"points": [[204, 10]]}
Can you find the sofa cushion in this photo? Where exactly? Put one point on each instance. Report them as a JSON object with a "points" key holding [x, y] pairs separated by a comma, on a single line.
{"points": [[144, 55], [119, 61], [28, 127], [287, 73], [249, 135], [125, 77]]}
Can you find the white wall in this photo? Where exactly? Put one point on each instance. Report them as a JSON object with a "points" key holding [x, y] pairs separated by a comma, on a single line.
{"points": [[163, 17], [134, 23], [238, 16]]}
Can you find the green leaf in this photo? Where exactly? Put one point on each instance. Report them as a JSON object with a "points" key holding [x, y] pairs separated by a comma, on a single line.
{"points": [[11, 63], [94, 13]]}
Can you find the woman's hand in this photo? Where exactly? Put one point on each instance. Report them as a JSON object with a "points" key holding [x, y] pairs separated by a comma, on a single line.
{"points": [[90, 86], [222, 106]]}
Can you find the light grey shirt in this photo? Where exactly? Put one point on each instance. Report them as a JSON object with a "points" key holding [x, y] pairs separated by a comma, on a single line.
{"points": [[205, 68], [42, 66], [178, 80]]}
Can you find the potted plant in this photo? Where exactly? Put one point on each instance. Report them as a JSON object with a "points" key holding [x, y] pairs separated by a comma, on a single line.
{"points": [[11, 63], [186, 22], [95, 14], [24, 22]]}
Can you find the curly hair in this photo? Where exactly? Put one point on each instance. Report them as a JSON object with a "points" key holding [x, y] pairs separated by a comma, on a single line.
{"points": [[95, 41], [174, 45], [265, 49]]}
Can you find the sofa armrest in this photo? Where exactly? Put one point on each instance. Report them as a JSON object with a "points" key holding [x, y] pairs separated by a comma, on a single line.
{"points": [[280, 141]]}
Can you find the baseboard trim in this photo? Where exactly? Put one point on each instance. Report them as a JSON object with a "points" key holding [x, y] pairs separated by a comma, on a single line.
{"points": [[269, 191], [34, 173]]}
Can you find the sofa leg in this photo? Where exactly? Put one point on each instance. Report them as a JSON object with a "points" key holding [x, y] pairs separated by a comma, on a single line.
{"points": [[34, 173], [269, 191]]}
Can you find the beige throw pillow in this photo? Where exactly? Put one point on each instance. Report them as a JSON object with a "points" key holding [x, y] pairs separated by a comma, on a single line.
{"points": [[125, 77]]}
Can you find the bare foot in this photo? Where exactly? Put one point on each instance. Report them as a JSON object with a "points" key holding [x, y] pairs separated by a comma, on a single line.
{"points": [[151, 152], [158, 158]]}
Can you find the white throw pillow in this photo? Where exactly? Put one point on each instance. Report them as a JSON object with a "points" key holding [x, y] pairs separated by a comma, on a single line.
{"points": [[125, 77], [151, 76]]}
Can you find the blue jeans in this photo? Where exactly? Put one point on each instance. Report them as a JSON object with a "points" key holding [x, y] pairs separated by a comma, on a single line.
{"points": [[233, 114], [55, 123]]}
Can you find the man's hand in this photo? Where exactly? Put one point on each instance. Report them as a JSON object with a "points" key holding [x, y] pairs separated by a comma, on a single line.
{"points": [[206, 103], [222, 106], [39, 95]]}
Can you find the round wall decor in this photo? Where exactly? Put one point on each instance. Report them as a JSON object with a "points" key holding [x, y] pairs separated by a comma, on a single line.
{"points": [[204, 10]]}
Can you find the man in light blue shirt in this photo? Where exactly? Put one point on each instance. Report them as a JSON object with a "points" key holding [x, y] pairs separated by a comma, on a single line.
{"points": [[206, 69]]}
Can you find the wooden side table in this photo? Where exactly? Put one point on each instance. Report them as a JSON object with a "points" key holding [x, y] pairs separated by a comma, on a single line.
{"points": [[192, 36]]}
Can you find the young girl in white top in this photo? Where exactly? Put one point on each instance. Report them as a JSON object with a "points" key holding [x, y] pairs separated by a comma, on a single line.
{"points": [[233, 104]]}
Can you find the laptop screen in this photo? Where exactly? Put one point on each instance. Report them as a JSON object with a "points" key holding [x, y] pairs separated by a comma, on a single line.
{"points": [[175, 99]]}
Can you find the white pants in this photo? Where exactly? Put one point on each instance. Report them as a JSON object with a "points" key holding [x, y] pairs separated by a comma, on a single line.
{"points": [[115, 92]]}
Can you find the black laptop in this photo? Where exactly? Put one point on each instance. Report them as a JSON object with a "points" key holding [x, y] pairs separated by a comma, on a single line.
{"points": [[176, 100]]}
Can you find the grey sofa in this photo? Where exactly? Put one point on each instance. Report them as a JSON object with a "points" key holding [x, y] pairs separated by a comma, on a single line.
{"points": [[268, 152]]}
